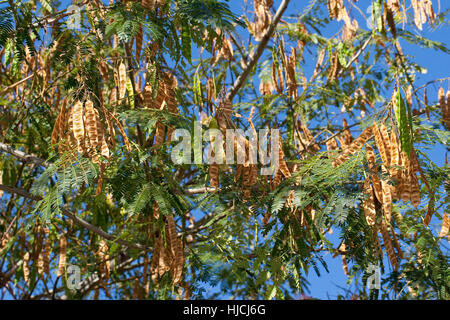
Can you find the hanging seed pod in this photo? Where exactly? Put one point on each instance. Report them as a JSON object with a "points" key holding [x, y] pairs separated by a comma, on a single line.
{"points": [[91, 125], [139, 39], [78, 125], [380, 144], [278, 86], [387, 200], [26, 268], [406, 178], [281, 163], [122, 132], [47, 251], [368, 204], [445, 225], [415, 191], [56, 133], [387, 142], [347, 134], [319, 63], [354, 147], [390, 19], [40, 263], [394, 5], [154, 266], [417, 13], [149, 4], [388, 245], [444, 109], [214, 175], [331, 145], [428, 7], [122, 80], [62, 255], [397, 245], [446, 113], [263, 18], [425, 101], [370, 154], [395, 163], [176, 246]]}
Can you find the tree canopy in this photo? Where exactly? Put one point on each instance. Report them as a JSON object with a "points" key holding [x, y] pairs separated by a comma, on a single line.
{"points": [[94, 94]]}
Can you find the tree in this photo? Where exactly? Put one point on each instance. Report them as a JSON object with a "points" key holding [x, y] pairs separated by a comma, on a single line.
{"points": [[93, 98]]}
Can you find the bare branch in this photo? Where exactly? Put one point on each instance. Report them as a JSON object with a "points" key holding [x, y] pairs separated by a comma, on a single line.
{"points": [[23, 156]]}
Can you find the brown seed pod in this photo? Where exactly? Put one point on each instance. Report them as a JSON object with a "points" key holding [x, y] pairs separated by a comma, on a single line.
{"points": [[444, 108], [40, 263], [104, 265], [62, 255], [395, 163], [291, 78], [56, 133], [149, 4], [354, 147], [425, 101], [387, 142], [388, 244], [154, 266], [405, 190], [380, 144], [276, 180], [387, 200], [428, 7], [122, 132], [347, 134], [390, 19], [446, 115], [263, 17], [397, 245], [176, 247], [165, 261], [445, 225], [47, 251], [26, 268], [78, 125], [214, 175], [370, 154], [394, 5], [414, 190], [416, 4], [91, 125], [319, 63], [331, 145], [281, 163], [275, 83], [368, 204], [139, 39], [122, 80]]}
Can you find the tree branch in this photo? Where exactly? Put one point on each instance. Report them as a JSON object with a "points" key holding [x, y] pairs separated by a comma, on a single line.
{"points": [[23, 156], [78, 220], [255, 55]]}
